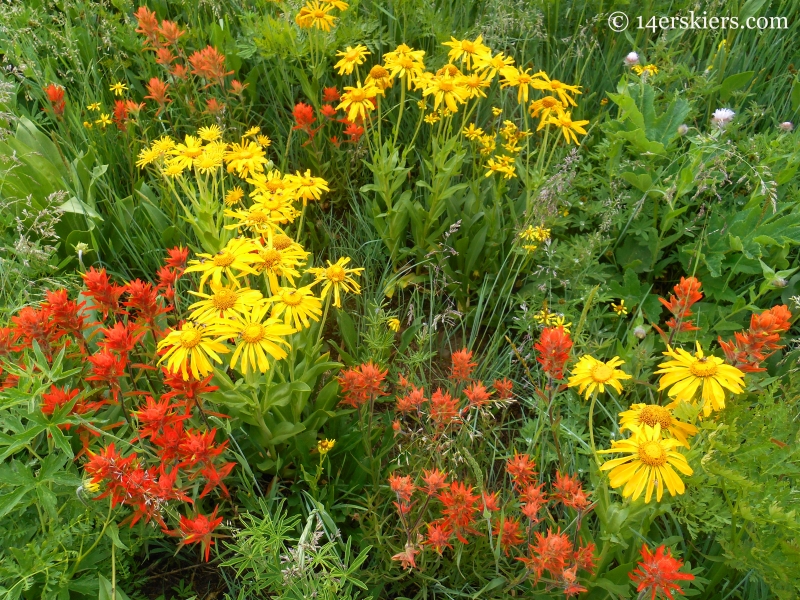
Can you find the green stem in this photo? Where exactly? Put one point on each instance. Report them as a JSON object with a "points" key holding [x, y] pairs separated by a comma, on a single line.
{"points": [[591, 428], [400, 113]]}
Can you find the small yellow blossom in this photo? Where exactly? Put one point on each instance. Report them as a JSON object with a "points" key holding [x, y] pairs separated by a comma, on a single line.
{"points": [[118, 88]]}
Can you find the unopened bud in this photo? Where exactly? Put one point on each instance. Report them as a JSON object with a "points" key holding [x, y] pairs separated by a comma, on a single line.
{"points": [[640, 332], [683, 129]]}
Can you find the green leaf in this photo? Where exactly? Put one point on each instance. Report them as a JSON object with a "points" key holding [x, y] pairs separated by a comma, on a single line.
{"points": [[734, 82], [106, 591], [642, 182]]}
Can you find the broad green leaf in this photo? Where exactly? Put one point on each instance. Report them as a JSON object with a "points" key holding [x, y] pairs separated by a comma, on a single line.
{"points": [[733, 83]]}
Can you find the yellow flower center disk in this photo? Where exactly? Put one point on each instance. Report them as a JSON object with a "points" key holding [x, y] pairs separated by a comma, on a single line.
{"points": [[651, 415], [566, 122], [291, 298], [281, 242], [357, 95], [245, 155], [446, 86], [703, 367], [270, 258], [602, 373], [224, 299], [259, 217], [253, 333], [224, 259], [378, 72], [468, 46], [524, 79], [550, 102], [555, 84], [451, 70], [652, 454], [190, 338], [192, 152], [318, 14], [335, 273], [405, 62]]}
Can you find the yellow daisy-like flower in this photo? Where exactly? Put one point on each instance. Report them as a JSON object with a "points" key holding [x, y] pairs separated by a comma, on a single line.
{"points": [[306, 187], [256, 339], [337, 4], [446, 90], [467, 50], [535, 233], [325, 446], [651, 463], [351, 57], [164, 144], [277, 258], [544, 108], [393, 324], [232, 261], [118, 88], [496, 111], [652, 414], [501, 164], [173, 168], [568, 126], [475, 83], [647, 70], [338, 278], [279, 207], [94, 106], [210, 134], [316, 14], [560, 321], [104, 120], [620, 308], [147, 156], [188, 349], [543, 82], [186, 153], [296, 305], [522, 80], [380, 77], [255, 218], [405, 63], [87, 124], [432, 118], [472, 133], [255, 130], [492, 65], [356, 101], [211, 158], [245, 158], [234, 196], [487, 143], [591, 374], [263, 141], [687, 373], [223, 302]]}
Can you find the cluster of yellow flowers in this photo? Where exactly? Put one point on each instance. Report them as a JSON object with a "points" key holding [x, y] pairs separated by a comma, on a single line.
{"points": [[206, 153], [652, 459], [248, 292], [534, 236], [450, 88], [317, 14]]}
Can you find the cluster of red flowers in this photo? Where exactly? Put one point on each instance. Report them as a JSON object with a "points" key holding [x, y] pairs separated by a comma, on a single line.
{"points": [[362, 384], [553, 554], [748, 350], [305, 119], [123, 109], [553, 348], [55, 94], [445, 407], [657, 573], [687, 293], [207, 64], [117, 320]]}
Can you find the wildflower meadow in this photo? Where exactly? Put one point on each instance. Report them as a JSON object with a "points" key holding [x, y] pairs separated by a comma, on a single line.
{"points": [[405, 300]]}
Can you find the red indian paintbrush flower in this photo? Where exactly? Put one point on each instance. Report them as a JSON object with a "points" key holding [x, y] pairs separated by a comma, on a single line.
{"points": [[155, 416], [687, 293], [361, 384], [491, 502], [551, 553], [504, 388], [200, 448], [157, 91], [411, 401], [108, 368], [57, 398], [434, 481], [748, 350], [170, 33], [462, 365], [55, 94], [67, 315], [658, 572], [402, 486], [103, 292], [459, 508], [304, 118], [121, 338], [553, 348], [176, 257], [522, 469], [330, 94], [164, 57], [510, 534], [438, 537], [570, 492], [209, 64], [214, 476], [533, 498], [477, 395], [199, 530], [34, 325], [444, 408], [148, 24]]}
